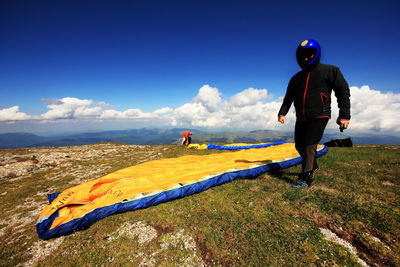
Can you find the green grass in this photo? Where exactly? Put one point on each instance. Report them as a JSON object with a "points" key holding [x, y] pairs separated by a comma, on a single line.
{"points": [[259, 222]]}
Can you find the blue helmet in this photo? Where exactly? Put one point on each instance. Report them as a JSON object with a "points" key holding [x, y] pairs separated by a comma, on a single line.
{"points": [[308, 53]]}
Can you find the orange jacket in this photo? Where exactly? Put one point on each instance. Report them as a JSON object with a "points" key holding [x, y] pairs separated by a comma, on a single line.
{"points": [[186, 134]]}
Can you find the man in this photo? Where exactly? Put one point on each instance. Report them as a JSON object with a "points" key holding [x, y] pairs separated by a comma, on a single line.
{"points": [[310, 90], [186, 138]]}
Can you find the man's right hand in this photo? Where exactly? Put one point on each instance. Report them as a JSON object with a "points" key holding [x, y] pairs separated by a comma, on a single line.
{"points": [[343, 124], [282, 119]]}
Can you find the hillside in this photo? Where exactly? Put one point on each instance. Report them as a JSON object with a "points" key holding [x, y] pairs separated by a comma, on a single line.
{"points": [[351, 215]]}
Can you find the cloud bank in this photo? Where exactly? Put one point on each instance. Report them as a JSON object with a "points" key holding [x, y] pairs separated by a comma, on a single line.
{"points": [[13, 114], [251, 108]]}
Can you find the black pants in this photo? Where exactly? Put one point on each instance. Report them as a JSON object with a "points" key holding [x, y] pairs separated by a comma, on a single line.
{"points": [[307, 135], [187, 141]]}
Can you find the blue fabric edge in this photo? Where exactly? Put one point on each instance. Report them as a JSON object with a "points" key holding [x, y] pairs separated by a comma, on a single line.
{"points": [[222, 147], [52, 196], [84, 222]]}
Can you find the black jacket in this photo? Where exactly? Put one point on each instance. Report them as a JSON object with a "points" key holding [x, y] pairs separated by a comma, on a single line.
{"points": [[310, 90]]}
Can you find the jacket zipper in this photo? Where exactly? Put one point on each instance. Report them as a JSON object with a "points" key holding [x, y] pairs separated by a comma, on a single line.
{"points": [[304, 98], [322, 98]]}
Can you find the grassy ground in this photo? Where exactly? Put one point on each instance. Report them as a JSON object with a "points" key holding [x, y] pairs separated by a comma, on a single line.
{"points": [[258, 222]]}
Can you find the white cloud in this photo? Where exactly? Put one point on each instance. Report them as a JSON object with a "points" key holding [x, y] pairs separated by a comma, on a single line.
{"points": [[103, 104], [138, 114], [251, 108], [13, 114], [163, 111], [69, 108], [371, 110], [249, 97], [244, 110], [209, 97], [81, 112], [112, 114], [133, 114]]}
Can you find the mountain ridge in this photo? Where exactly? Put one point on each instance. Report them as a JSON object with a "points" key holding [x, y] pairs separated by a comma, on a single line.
{"points": [[157, 136]]}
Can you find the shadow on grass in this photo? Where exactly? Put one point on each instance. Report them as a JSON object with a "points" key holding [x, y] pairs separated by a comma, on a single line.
{"points": [[284, 176]]}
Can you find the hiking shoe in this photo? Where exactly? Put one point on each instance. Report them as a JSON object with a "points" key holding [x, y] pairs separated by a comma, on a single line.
{"points": [[308, 175], [300, 184]]}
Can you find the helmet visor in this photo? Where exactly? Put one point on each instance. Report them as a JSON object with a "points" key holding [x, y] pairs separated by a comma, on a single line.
{"points": [[307, 55]]}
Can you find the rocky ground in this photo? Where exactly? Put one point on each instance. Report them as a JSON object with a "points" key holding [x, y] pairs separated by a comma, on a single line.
{"points": [[30, 160], [57, 168]]}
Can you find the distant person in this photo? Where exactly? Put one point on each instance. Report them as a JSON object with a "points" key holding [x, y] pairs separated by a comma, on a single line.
{"points": [[310, 90], [186, 138]]}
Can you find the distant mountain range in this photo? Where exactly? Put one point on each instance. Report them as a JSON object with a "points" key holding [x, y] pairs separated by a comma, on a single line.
{"points": [[149, 136]]}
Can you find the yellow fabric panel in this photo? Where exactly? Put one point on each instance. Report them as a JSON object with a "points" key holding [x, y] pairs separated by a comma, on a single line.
{"points": [[152, 176], [198, 146]]}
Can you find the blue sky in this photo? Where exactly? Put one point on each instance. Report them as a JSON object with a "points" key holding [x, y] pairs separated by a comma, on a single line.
{"points": [[153, 57]]}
